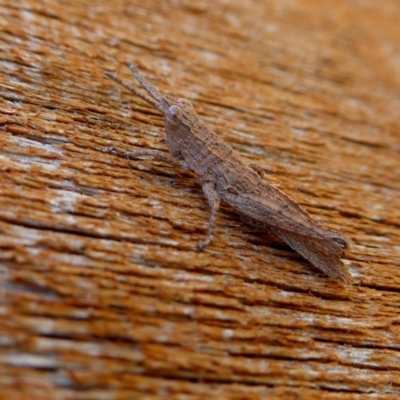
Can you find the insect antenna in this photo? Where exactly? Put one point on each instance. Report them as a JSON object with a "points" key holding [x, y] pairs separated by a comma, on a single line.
{"points": [[154, 93], [138, 92]]}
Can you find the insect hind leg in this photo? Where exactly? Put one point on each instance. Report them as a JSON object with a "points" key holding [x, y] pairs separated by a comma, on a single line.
{"points": [[213, 201]]}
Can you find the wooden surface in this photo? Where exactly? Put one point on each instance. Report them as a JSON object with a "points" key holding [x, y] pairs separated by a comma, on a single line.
{"points": [[102, 293]]}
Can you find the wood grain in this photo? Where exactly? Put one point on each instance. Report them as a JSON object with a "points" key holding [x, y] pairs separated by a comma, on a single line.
{"points": [[102, 291]]}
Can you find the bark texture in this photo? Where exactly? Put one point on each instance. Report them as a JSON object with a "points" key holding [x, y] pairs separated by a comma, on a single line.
{"points": [[102, 291]]}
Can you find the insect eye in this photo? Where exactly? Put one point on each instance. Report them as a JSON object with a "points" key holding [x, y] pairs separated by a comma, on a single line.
{"points": [[174, 115], [174, 110]]}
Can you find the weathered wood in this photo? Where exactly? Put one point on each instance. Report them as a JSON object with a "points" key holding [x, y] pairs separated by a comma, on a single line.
{"points": [[102, 291]]}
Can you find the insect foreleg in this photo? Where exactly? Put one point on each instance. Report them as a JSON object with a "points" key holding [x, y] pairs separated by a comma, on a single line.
{"points": [[156, 155]]}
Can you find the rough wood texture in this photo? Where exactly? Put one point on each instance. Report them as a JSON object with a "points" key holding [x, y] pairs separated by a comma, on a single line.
{"points": [[102, 293]]}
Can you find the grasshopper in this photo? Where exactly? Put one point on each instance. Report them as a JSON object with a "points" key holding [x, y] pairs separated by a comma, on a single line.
{"points": [[224, 176]]}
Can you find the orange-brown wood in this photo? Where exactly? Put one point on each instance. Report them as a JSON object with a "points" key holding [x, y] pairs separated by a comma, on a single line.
{"points": [[102, 291]]}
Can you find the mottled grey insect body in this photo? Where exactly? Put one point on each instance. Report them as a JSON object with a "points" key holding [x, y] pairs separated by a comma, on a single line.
{"points": [[223, 175]]}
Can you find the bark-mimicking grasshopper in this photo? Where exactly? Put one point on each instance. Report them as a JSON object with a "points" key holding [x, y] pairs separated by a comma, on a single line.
{"points": [[223, 175]]}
